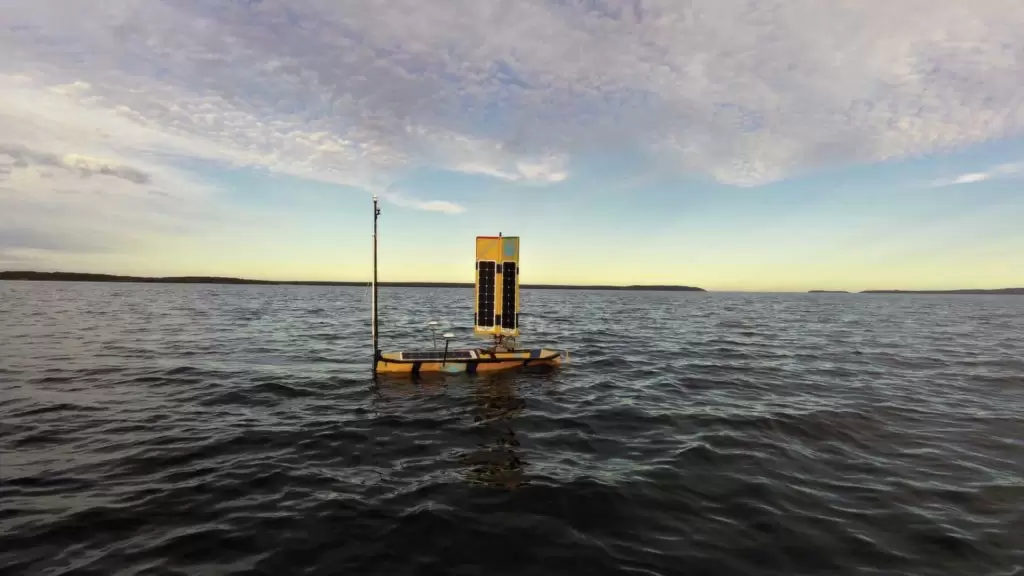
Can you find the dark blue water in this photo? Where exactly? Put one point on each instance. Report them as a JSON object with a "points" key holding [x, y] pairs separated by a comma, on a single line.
{"points": [[196, 429]]}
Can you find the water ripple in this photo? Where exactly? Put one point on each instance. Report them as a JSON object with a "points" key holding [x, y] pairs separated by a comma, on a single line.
{"points": [[234, 429]]}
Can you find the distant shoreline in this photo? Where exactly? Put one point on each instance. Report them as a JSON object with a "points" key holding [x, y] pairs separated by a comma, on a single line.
{"points": [[87, 277], [1002, 291], [995, 291]]}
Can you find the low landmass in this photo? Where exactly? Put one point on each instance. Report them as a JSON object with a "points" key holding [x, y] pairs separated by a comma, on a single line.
{"points": [[963, 291], [88, 277], [654, 288], [1014, 291]]}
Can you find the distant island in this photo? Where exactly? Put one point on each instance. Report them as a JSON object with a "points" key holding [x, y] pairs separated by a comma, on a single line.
{"points": [[1003, 291], [997, 291], [87, 277], [1013, 291]]}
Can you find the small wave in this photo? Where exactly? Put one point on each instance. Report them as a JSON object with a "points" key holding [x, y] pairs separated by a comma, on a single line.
{"points": [[49, 408], [205, 429]]}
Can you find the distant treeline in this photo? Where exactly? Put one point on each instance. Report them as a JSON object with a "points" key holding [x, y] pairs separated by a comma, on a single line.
{"points": [[86, 277], [965, 291]]}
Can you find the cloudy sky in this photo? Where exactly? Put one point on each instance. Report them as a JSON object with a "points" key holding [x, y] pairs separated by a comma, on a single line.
{"points": [[729, 144]]}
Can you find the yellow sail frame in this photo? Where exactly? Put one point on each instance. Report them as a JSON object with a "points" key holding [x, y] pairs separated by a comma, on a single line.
{"points": [[496, 273]]}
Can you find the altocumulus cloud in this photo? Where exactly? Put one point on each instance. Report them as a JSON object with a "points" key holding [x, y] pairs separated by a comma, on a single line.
{"points": [[355, 93]]}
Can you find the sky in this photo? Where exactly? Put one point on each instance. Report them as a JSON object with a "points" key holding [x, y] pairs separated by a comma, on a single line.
{"points": [[780, 145]]}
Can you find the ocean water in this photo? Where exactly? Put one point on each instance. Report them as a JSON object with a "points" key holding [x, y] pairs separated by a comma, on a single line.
{"points": [[201, 429]]}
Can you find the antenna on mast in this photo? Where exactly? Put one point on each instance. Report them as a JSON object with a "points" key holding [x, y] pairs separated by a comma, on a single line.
{"points": [[373, 320]]}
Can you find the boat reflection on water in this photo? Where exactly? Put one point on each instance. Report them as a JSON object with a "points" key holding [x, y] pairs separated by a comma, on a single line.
{"points": [[492, 402], [498, 461]]}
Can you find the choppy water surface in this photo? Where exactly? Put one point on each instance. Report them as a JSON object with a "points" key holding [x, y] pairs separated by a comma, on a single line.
{"points": [[160, 429]]}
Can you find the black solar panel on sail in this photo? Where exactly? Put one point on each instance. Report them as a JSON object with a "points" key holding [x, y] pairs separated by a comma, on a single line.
{"points": [[485, 294], [508, 296]]}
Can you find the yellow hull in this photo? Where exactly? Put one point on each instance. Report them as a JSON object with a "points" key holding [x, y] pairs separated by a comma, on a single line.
{"points": [[464, 361]]}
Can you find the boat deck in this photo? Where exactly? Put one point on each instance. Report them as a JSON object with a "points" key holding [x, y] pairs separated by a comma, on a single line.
{"points": [[469, 360]]}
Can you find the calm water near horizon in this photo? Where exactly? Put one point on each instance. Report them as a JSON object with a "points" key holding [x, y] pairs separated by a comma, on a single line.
{"points": [[210, 429]]}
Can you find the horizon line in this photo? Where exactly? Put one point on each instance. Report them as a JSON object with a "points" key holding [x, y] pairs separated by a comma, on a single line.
{"points": [[30, 275], [188, 279]]}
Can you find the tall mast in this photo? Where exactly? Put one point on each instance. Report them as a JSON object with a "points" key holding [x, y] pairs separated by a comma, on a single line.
{"points": [[373, 322]]}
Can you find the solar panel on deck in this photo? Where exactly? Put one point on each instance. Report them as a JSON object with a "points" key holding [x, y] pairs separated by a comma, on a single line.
{"points": [[485, 294], [508, 295], [431, 355]]}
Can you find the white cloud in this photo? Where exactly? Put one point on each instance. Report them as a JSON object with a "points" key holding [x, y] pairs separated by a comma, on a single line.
{"points": [[1000, 171], [401, 199], [429, 205], [539, 171], [1009, 168], [356, 93], [974, 177]]}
